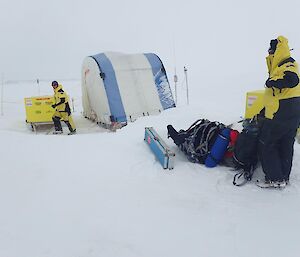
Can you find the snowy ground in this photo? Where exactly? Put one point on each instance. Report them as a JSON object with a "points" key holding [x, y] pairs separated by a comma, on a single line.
{"points": [[103, 194]]}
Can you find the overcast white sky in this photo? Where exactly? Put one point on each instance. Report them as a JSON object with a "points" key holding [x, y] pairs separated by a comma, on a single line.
{"points": [[216, 39]]}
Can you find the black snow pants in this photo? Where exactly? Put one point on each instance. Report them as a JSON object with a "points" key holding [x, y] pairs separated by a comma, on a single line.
{"points": [[276, 140], [276, 149]]}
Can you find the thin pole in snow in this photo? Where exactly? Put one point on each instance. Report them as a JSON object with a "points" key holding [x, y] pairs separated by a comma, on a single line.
{"points": [[187, 85], [73, 104], [175, 82], [175, 73], [38, 84], [2, 93]]}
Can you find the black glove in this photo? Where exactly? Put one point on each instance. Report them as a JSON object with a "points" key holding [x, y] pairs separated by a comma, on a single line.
{"points": [[53, 106], [269, 83]]}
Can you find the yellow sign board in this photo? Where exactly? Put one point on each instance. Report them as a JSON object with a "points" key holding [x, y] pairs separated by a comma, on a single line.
{"points": [[38, 109], [254, 103]]}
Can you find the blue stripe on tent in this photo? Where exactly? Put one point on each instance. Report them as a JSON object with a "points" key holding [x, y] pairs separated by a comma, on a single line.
{"points": [[111, 87], [161, 81]]}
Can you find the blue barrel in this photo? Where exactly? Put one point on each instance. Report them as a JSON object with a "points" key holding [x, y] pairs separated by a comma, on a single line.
{"points": [[218, 149]]}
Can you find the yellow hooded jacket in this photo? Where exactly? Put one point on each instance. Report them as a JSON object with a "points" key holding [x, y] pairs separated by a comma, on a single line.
{"points": [[61, 100], [278, 64]]}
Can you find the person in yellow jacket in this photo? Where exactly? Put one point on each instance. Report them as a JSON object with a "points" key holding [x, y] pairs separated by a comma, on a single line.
{"points": [[282, 115], [62, 110]]}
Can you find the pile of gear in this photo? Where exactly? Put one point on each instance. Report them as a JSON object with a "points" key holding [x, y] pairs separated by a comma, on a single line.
{"points": [[212, 143]]}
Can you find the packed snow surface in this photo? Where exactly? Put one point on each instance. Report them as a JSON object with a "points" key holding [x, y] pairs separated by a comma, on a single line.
{"points": [[102, 193]]}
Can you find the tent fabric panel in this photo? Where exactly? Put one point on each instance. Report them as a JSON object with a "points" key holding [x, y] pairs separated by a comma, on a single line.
{"points": [[161, 81], [85, 99], [136, 85], [127, 62], [95, 94], [111, 87]]}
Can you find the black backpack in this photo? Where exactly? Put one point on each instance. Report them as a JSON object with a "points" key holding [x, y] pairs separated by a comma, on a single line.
{"points": [[245, 156], [197, 140]]}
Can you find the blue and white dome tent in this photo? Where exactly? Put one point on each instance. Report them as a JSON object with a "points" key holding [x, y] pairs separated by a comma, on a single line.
{"points": [[120, 87]]}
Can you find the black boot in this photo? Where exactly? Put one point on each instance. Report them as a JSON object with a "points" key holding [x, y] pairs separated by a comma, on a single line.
{"points": [[72, 131], [178, 138]]}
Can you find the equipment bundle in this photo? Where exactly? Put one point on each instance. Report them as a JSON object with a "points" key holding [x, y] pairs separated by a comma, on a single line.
{"points": [[211, 143]]}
